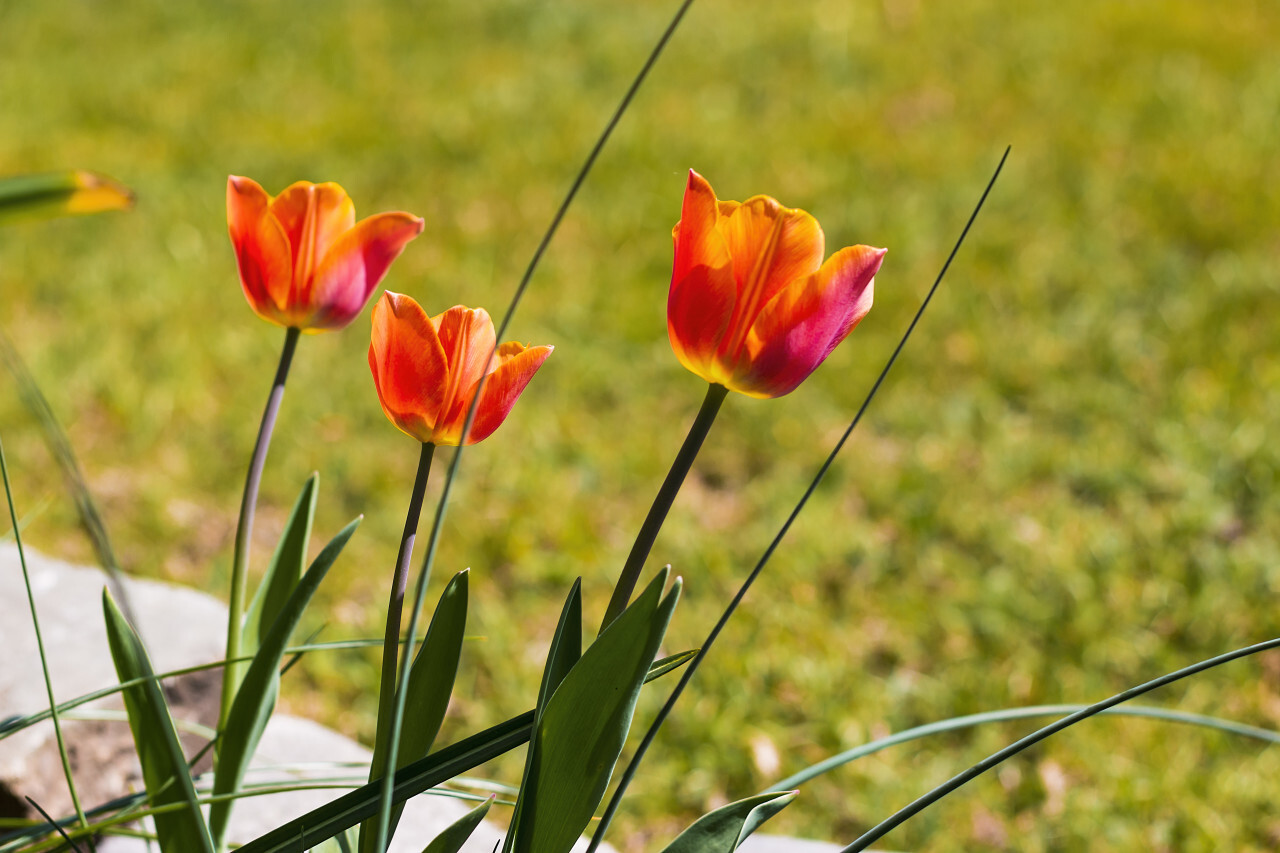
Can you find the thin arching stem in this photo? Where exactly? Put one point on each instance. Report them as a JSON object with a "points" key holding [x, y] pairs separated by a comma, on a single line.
{"points": [[244, 529]]}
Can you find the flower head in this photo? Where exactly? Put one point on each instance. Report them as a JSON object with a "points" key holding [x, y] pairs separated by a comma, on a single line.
{"points": [[752, 306], [426, 369], [304, 260]]}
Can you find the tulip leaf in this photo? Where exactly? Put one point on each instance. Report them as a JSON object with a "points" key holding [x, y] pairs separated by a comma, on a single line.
{"points": [[452, 839], [722, 830], [164, 767], [256, 698], [580, 734], [670, 664], [281, 576], [430, 685], [564, 653], [60, 194], [326, 821]]}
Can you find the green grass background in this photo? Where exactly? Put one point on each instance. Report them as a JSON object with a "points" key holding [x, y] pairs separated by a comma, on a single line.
{"points": [[1067, 487]]}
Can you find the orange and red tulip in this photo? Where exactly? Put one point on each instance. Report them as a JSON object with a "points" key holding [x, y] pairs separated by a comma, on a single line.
{"points": [[304, 261], [427, 369], [752, 306]]}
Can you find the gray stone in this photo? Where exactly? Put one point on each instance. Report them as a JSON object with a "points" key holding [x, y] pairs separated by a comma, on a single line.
{"points": [[181, 627]]}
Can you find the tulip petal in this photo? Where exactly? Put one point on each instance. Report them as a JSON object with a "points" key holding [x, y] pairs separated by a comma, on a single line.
{"points": [[262, 249], [771, 246], [468, 339], [314, 216], [503, 387], [354, 265], [803, 323], [702, 296], [409, 365]]}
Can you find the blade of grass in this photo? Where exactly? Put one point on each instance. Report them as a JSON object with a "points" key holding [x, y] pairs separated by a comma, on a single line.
{"points": [[44, 661], [910, 810], [665, 711], [14, 724], [52, 823], [60, 447], [1006, 715], [447, 490]]}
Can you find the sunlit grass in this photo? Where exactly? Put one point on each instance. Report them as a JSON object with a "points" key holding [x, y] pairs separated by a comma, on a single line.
{"points": [[1066, 488]]}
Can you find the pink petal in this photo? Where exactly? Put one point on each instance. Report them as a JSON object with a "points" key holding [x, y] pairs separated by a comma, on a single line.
{"points": [[354, 265], [803, 323]]}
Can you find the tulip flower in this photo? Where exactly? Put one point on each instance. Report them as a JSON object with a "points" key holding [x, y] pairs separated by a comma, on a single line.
{"points": [[752, 309], [752, 306], [305, 262], [427, 369]]}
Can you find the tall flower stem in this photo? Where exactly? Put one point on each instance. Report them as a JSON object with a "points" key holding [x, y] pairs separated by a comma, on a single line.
{"points": [[395, 607], [662, 503], [233, 672]]}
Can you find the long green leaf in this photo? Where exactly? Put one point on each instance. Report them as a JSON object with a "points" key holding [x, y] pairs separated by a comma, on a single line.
{"points": [[564, 653], [305, 832], [722, 830], [164, 767], [452, 839], [283, 572], [256, 698], [430, 685], [580, 735], [60, 194]]}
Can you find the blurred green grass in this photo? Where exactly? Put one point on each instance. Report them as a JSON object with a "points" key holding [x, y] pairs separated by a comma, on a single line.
{"points": [[1066, 488]]}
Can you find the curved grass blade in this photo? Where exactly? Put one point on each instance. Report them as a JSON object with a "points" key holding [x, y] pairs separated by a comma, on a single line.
{"points": [[578, 738], [452, 839], [17, 722], [430, 685], [454, 466], [59, 445], [44, 662], [722, 830], [164, 767], [1008, 714], [879, 830], [256, 698]]}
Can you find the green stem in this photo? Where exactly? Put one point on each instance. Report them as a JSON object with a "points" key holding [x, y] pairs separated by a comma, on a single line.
{"points": [[395, 607], [44, 663], [662, 503], [244, 529]]}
